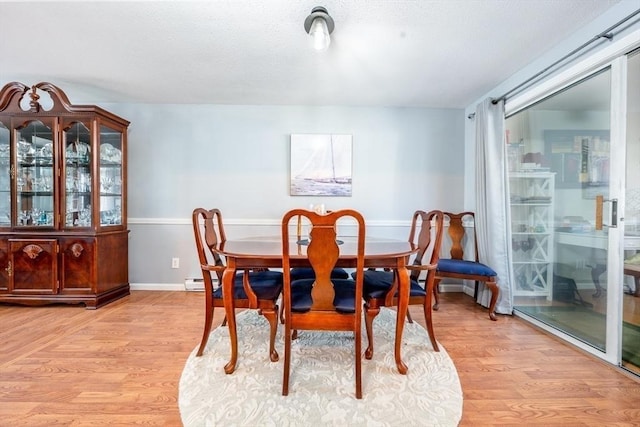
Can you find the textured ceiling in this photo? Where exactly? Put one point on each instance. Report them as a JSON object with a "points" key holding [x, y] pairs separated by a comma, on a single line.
{"points": [[413, 53]]}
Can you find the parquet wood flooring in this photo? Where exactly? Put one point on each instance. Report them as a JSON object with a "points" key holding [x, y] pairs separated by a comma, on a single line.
{"points": [[120, 365]]}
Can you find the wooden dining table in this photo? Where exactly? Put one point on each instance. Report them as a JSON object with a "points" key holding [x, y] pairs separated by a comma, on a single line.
{"points": [[266, 252]]}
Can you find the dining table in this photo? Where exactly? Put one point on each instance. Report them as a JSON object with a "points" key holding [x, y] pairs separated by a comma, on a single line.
{"points": [[266, 252]]}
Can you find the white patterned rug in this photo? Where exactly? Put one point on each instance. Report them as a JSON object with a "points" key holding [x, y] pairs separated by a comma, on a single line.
{"points": [[321, 386]]}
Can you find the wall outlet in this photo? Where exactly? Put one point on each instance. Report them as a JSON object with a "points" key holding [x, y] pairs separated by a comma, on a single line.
{"points": [[175, 262]]}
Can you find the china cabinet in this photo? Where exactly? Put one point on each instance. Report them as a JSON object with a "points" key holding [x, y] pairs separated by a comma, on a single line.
{"points": [[63, 205], [532, 232]]}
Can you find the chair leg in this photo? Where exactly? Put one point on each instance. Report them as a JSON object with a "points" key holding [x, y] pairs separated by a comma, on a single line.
{"points": [[493, 286], [409, 318], [272, 317], [436, 297], [428, 317], [287, 360], [224, 321], [370, 314], [358, 355], [208, 320], [282, 313]]}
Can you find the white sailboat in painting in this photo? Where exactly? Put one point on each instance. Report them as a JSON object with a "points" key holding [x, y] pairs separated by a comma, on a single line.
{"points": [[321, 165]]}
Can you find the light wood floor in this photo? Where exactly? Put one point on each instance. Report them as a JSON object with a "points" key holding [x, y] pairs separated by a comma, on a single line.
{"points": [[121, 364]]}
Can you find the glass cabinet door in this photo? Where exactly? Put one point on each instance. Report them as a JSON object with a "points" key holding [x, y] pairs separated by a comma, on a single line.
{"points": [[110, 176], [5, 176], [77, 175], [34, 175]]}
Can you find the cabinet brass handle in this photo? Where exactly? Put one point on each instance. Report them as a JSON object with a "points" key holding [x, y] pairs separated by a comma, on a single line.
{"points": [[9, 270]]}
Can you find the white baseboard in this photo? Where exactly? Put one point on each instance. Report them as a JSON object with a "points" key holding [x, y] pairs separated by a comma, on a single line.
{"points": [[156, 286], [451, 287]]}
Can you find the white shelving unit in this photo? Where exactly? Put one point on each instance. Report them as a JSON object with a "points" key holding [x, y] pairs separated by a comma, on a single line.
{"points": [[531, 199]]}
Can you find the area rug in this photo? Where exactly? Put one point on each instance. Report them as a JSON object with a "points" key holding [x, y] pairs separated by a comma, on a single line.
{"points": [[587, 325], [322, 385]]}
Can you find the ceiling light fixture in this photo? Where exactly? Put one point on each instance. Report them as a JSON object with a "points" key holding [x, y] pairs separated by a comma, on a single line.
{"points": [[319, 25]]}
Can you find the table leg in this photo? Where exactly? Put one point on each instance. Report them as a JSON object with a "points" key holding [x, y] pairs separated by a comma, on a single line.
{"points": [[228, 278], [403, 304]]}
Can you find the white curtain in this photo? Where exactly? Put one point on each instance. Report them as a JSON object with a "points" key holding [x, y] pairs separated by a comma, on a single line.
{"points": [[493, 222]]}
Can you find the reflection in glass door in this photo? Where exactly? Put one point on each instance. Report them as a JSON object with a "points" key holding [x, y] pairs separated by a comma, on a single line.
{"points": [[559, 168], [631, 294]]}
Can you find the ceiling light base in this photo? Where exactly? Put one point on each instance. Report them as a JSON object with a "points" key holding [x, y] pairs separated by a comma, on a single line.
{"points": [[319, 12]]}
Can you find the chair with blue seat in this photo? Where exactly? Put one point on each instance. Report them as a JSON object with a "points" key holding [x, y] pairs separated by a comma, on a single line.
{"points": [[467, 268], [381, 287], [298, 273], [252, 289], [323, 303]]}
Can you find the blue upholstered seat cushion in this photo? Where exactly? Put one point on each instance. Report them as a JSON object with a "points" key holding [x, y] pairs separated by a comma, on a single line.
{"points": [[267, 285], [299, 273], [378, 282], [344, 299], [464, 267]]}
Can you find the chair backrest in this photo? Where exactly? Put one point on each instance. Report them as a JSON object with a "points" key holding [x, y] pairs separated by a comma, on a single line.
{"points": [[209, 233], [323, 251], [458, 234], [428, 227]]}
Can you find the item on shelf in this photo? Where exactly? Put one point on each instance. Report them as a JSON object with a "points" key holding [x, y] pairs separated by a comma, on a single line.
{"points": [[26, 152], [78, 150], [575, 224], [110, 154], [45, 154]]}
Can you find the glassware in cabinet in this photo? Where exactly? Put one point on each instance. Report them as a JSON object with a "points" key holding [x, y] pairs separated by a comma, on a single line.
{"points": [[5, 176], [77, 175], [34, 174], [110, 176]]}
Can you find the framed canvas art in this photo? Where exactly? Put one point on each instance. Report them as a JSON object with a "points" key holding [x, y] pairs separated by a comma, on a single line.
{"points": [[321, 165]]}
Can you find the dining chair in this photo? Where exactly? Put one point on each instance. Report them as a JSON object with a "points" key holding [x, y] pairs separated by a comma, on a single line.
{"points": [[298, 273], [381, 287], [468, 267], [323, 303], [252, 289]]}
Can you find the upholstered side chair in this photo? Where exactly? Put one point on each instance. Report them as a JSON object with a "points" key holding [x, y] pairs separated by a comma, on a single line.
{"points": [[465, 266], [381, 287], [258, 290]]}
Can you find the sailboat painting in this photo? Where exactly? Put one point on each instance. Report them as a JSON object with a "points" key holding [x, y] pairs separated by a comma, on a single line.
{"points": [[321, 165]]}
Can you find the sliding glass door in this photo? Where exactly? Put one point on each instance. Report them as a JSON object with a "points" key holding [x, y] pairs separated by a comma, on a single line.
{"points": [[630, 341], [559, 160], [574, 184]]}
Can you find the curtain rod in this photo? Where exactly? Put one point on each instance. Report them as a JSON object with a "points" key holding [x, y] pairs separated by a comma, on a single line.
{"points": [[605, 34]]}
